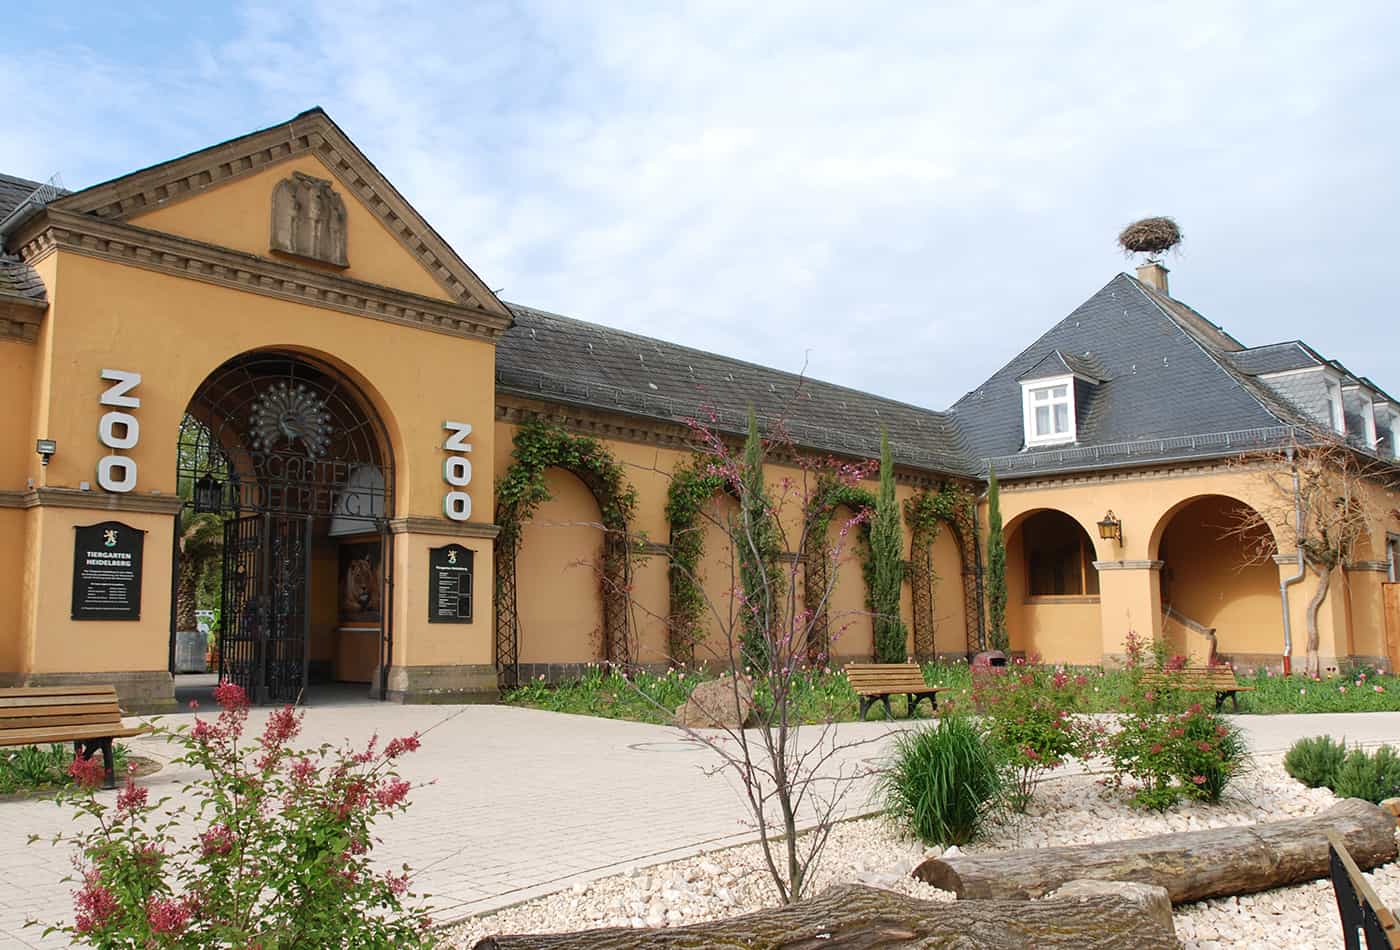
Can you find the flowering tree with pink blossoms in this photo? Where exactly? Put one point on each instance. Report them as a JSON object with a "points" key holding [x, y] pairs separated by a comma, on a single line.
{"points": [[762, 623], [273, 852]]}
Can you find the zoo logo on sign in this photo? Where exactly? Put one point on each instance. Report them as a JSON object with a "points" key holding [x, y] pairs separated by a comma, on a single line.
{"points": [[118, 430], [457, 472]]}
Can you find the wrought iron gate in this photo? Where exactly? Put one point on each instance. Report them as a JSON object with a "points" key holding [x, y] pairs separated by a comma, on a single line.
{"points": [[266, 635], [272, 444]]}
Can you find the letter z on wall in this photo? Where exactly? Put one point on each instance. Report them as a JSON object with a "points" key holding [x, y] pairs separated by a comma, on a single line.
{"points": [[457, 471], [118, 430]]}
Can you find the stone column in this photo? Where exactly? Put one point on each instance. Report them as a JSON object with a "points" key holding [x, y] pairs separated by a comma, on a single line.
{"points": [[1130, 599]]}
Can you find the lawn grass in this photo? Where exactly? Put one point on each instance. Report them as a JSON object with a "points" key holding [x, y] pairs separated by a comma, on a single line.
{"points": [[823, 695]]}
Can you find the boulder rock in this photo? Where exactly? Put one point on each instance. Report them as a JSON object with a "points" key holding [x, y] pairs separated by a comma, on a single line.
{"points": [[712, 705]]}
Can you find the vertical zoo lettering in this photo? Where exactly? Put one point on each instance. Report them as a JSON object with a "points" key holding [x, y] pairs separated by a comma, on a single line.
{"points": [[118, 430], [457, 472]]}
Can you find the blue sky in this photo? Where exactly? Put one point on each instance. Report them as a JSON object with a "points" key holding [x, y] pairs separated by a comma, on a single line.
{"points": [[899, 196]]}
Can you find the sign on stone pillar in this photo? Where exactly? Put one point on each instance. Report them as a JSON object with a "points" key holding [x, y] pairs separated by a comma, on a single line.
{"points": [[107, 571], [450, 584]]}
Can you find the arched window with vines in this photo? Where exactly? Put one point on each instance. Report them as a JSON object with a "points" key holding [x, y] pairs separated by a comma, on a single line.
{"points": [[540, 445], [926, 513], [831, 493]]}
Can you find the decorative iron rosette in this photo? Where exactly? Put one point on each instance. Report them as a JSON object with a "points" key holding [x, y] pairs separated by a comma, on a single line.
{"points": [[290, 411]]}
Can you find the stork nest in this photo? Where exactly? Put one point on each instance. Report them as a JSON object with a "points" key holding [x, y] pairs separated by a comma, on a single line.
{"points": [[1150, 236]]}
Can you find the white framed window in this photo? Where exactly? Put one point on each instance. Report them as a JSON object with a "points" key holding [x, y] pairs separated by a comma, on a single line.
{"points": [[1368, 413], [1334, 406], [1049, 410]]}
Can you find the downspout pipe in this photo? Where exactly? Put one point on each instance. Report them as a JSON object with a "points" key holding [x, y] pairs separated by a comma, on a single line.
{"points": [[1287, 582]]}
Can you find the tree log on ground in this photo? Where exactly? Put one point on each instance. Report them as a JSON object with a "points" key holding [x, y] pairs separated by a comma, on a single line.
{"points": [[1192, 865], [855, 917]]}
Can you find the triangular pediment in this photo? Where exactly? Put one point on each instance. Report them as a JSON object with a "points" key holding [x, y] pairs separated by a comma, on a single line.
{"points": [[310, 142]]}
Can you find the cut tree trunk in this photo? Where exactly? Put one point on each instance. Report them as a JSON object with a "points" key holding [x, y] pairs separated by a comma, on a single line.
{"points": [[1192, 865], [853, 916]]}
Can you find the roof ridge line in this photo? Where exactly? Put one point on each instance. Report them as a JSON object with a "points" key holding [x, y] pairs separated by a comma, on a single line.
{"points": [[1219, 364], [940, 413]]}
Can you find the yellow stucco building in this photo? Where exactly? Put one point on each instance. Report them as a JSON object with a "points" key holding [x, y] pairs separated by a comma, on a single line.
{"points": [[260, 349]]}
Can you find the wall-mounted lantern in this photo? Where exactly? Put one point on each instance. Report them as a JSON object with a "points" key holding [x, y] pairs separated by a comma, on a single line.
{"points": [[46, 449], [1110, 528], [208, 494]]}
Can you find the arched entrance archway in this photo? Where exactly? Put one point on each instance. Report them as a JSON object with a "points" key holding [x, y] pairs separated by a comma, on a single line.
{"points": [[284, 459], [1218, 579]]}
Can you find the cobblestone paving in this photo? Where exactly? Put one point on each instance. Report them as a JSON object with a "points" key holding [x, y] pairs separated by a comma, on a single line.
{"points": [[525, 802]]}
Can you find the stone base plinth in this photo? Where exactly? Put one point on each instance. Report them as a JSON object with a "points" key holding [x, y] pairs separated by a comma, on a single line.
{"points": [[467, 683]]}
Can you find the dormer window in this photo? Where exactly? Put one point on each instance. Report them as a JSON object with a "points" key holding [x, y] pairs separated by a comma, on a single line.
{"points": [[1368, 415], [1050, 411], [1050, 415], [1334, 405]]}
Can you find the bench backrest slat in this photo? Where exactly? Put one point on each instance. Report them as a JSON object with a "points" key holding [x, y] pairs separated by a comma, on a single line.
{"points": [[893, 677], [58, 707]]}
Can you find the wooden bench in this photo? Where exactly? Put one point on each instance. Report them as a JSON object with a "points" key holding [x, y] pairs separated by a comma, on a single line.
{"points": [[86, 716], [1359, 906], [877, 682], [1219, 680]]}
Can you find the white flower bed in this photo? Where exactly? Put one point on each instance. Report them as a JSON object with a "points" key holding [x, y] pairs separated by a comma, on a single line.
{"points": [[1074, 810]]}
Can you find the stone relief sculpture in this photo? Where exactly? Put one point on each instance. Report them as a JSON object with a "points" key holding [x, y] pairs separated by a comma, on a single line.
{"points": [[308, 219]]}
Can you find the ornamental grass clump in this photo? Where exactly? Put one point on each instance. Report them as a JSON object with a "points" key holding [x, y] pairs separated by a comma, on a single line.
{"points": [[1315, 761], [1371, 776], [1031, 717], [273, 853], [944, 783]]}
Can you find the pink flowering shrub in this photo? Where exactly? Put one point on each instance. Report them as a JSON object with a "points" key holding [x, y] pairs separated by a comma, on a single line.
{"points": [[1169, 746], [278, 855], [1031, 717]]}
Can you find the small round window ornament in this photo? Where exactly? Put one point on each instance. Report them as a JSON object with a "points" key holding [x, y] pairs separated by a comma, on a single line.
{"points": [[287, 411]]}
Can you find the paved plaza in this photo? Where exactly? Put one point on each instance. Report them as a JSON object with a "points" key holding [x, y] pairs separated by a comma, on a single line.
{"points": [[525, 802]]}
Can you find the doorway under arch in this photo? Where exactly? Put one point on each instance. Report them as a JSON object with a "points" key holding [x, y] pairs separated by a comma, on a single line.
{"points": [[283, 460], [1218, 577]]}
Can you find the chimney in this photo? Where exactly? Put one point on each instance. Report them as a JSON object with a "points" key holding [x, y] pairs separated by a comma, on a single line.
{"points": [[1154, 275]]}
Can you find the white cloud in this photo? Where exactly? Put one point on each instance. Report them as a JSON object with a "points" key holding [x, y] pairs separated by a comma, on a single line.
{"points": [[911, 193]]}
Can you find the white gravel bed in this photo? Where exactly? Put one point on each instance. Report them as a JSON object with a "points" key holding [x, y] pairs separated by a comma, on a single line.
{"points": [[1073, 810]]}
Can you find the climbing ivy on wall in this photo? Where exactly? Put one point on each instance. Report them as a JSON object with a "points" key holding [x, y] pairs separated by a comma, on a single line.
{"points": [[692, 486], [540, 445], [925, 513], [831, 493]]}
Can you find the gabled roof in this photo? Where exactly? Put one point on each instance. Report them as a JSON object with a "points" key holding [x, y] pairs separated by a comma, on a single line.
{"points": [[1276, 358], [560, 359], [310, 132], [1057, 363]]}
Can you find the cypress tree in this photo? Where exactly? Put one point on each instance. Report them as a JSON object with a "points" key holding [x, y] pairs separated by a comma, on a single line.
{"points": [[887, 553], [996, 568], [758, 553]]}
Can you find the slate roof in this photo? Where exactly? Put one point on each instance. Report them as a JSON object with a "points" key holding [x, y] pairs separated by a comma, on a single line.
{"points": [[1275, 358], [17, 279], [561, 359], [13, 191], [1169, 390]]}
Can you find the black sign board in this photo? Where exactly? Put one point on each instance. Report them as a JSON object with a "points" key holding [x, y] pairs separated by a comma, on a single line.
{"points": [[107, 572], [449, 584]]}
